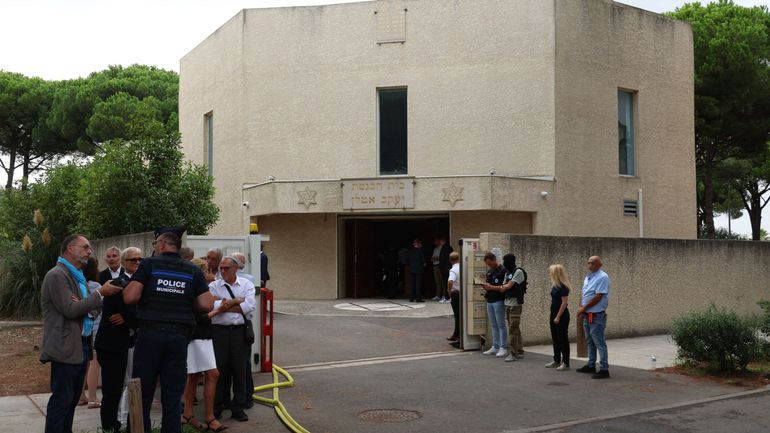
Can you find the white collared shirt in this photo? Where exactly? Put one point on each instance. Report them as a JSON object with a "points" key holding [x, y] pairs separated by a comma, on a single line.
{"points": [[115, 274], [242, 288]]}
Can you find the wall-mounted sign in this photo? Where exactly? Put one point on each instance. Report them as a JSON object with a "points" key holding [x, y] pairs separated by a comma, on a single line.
{"points": [[379, 193]]}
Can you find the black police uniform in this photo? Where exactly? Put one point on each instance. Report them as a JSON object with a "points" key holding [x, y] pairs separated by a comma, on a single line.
{"points": [[165, 318]]}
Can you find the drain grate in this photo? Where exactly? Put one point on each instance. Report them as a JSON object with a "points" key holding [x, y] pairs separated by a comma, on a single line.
{"points": [[389, 415]]}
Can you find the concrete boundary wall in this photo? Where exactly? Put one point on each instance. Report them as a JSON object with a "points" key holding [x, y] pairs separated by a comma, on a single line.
{"points": [[653, 281], [140, 240]]}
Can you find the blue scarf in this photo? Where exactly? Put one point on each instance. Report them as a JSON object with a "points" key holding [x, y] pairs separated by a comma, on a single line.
{"points": [[77, 274]]}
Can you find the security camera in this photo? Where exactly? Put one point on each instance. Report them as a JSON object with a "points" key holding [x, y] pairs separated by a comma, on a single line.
{"points": [[492, 171], [245, 204], [271, 178]]}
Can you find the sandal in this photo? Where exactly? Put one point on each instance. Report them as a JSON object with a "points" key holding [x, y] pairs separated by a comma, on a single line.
{"points": [[221, 427], [191, 420], [94, 405], [82, 402]]}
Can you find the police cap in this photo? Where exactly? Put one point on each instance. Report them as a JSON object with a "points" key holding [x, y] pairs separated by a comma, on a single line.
{"points": [[179, 231]]}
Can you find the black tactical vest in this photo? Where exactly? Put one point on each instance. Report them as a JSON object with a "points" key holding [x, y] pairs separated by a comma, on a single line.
{"points": [[169, 295]]}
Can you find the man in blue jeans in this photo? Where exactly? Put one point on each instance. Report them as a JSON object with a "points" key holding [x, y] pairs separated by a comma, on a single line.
{"points": [[593, 308]]}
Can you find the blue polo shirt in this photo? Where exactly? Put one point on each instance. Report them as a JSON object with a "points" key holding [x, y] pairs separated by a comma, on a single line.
{"points": [[596, 282]]}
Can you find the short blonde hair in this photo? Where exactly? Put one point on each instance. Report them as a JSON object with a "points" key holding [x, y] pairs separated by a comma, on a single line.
{"points": [[558, 275], [202, 264]]}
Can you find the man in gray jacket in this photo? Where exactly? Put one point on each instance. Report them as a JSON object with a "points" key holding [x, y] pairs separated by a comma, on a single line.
{"points": [[66, 303]]}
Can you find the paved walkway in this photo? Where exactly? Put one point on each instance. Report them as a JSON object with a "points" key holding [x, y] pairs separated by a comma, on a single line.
{"points": [[629, 352], [364, 308]]}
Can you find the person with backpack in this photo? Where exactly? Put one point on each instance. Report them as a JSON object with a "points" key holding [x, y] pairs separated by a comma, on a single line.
{"points": [[513, 289]]}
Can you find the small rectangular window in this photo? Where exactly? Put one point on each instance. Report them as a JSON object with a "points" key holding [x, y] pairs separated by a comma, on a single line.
{"points": [[208, 148], [626, 133], [393, 131], [630, 208]]}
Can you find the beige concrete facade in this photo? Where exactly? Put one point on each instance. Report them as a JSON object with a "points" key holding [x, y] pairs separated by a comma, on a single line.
{"points": [[652, 281], [526, 89]]}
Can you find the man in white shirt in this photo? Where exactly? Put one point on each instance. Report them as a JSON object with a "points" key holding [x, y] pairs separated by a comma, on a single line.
{"points": [[113, 269], [453, 288], [235, 301]]}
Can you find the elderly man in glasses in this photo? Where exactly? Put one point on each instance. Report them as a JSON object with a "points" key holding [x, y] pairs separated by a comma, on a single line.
{"points": [[113, 345], [235, 301]]}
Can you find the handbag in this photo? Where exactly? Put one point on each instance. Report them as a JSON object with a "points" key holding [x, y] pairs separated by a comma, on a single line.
{"points": [[248, 335]]}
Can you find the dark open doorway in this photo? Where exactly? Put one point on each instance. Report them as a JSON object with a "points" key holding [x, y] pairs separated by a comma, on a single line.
{"points": [[371, 249]]}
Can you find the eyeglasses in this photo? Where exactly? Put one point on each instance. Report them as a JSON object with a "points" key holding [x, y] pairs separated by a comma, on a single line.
{"points": [[135, 259], [224, 268]]}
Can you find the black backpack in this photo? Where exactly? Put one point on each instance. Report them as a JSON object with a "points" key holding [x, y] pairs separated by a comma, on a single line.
{"points": [[518, 290]]}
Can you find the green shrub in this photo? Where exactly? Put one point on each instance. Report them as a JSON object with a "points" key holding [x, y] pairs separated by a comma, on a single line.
{"points": [[718, 339], [765, 320], [23, 265]]}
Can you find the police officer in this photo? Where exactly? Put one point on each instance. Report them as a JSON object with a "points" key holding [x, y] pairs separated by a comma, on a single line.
{"points": [[166, 289]]}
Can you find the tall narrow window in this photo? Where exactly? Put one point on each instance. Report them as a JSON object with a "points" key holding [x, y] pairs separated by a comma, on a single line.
{"points": [[626, 133], [393, 146], [208, 133]]}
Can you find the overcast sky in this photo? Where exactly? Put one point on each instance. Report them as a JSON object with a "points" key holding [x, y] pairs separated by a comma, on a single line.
{"points": [[61, 39]]}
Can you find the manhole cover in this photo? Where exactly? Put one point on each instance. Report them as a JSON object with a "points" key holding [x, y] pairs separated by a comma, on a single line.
{"points": [[389, 415]]}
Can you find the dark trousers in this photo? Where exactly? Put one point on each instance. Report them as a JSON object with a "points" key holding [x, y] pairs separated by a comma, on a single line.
{"points": [[455, 301], [113, 372], [559, 336], [248, 380], [161, 353], [66, 385], [417, 286], [230, 351]]}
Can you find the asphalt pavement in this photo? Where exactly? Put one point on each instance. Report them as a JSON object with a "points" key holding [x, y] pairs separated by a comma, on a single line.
{"points": [[375, 372]]}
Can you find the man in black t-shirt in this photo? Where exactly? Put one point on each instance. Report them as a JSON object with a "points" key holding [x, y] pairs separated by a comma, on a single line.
{"points": [[496, 306], [167, 289]]}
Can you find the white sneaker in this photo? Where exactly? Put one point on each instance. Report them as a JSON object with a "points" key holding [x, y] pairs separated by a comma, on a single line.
{"points": [[445, 300], [435, 298], [510, 358], [552, 364], [501, 353], [562, 367], [492, 350]]}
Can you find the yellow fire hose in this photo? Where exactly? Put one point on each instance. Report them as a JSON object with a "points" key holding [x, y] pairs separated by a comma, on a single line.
{"points": [[280, 409]]}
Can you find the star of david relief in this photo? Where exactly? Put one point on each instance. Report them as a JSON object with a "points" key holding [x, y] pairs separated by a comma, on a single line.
{"points": [[453, 194], [306, 198]]}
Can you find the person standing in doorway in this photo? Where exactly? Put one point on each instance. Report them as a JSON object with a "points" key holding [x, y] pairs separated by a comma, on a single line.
{"points": [[593, 308], [417, 268], [437, 277], [559, 317], [444, 265], [403, 262], [453, 288], [496, 306]]}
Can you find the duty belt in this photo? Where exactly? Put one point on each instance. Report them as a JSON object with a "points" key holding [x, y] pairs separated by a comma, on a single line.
{"points": [[166, 327]]}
